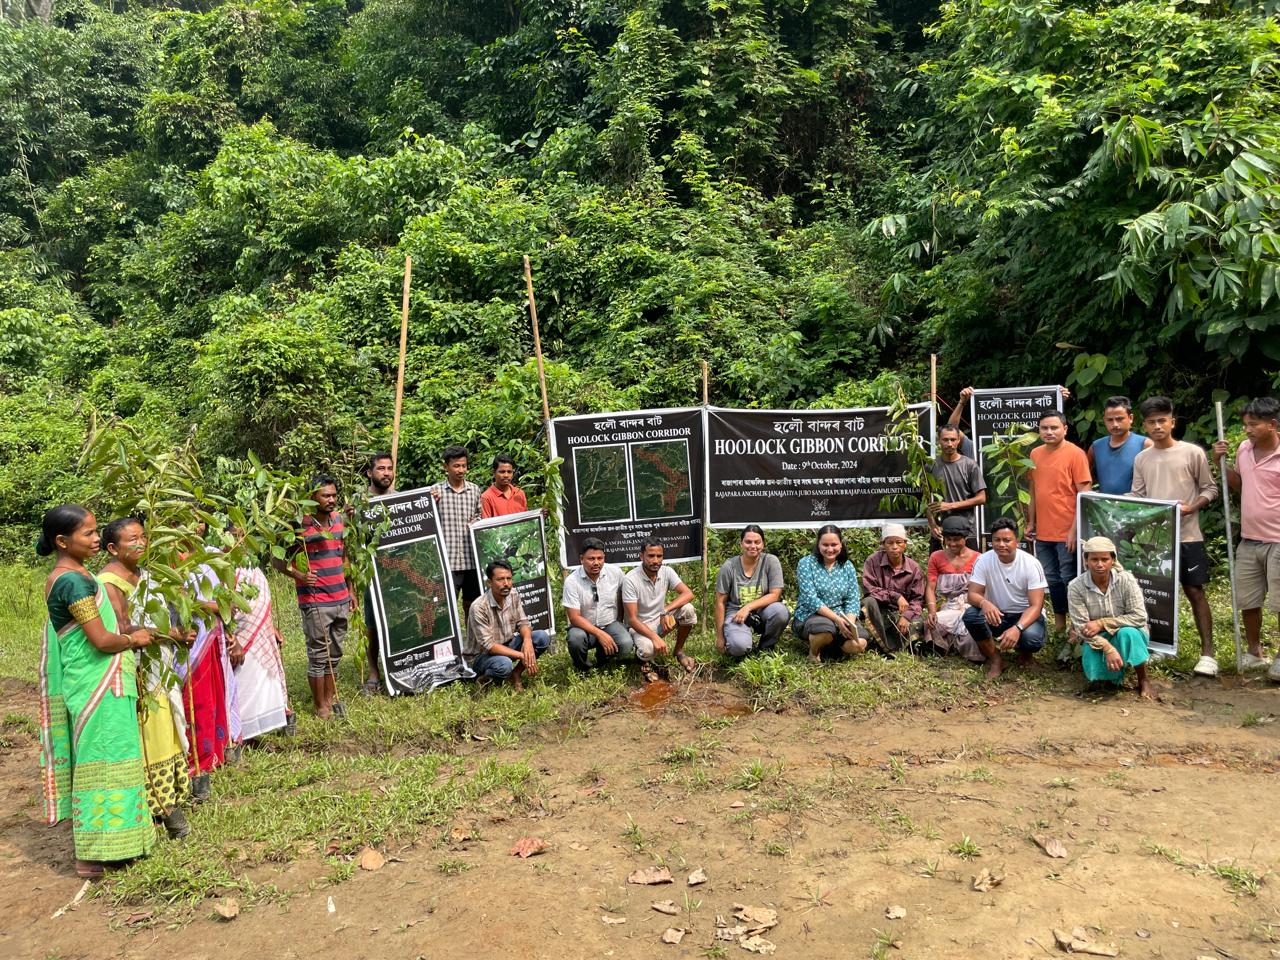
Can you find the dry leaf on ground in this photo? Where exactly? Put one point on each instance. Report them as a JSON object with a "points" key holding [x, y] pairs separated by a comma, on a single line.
{"points": [[1052, 846], [760, 917], [228, 908], [578, 846], [665, 906], [730, 933], [737, 805], [1077, 941], [985, 881], [460, 834], [135, 918], [650, 876], [527, 847], [757, 944], [371, 859], [672, 935], [895, 912], [613, 919], [679, 821], [698, 876]]}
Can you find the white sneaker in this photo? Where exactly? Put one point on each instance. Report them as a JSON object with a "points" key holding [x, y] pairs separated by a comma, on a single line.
{"points": [[1249, 662], [1274, 672], [1206, 667]]}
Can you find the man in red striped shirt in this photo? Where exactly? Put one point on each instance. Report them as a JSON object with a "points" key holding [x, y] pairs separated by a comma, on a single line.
{"points": [[323, 596]]}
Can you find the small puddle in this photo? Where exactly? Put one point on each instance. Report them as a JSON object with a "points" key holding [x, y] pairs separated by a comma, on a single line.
{"points": [[652, 697]]}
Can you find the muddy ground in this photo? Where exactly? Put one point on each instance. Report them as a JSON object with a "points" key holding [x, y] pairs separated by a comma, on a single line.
{"points": [[830, 821]]}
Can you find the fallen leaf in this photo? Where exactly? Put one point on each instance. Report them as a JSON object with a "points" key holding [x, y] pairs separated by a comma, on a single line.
{"points": [[760, 917], [228, 908], [698, 876], [1077, 941], [672, 935], [757, 944], [679, 821], [666, 906], [985, 881], [613, 919], [1052, 846], [371, 859], [896, 944], [895, 912], [460, 834], [730, 933], [332, 907], [332, 847], [737, 805], [527, 847], [1142, 934], [134, 918], [650, 876], [1104, 821], [1124, 712], [578, 846]]}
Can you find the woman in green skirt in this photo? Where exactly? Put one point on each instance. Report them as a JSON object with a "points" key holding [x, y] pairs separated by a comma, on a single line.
{"points": [[90, 749], [1109, 615]]}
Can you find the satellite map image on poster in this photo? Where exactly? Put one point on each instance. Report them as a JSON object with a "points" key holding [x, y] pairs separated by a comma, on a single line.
{"points": [[417, 608], [601, 474], [660, 475]]}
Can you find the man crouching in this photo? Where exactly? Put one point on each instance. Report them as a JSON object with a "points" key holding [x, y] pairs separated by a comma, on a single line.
{"points": [[499, 643]]}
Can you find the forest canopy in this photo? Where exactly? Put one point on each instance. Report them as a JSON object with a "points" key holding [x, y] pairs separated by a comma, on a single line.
{"points": [[205, 209]]}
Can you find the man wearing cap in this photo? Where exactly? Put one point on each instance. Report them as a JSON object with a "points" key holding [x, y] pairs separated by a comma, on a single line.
{"points": [[894, 592], [1006, 600], [1109, 615], [946, 591]]}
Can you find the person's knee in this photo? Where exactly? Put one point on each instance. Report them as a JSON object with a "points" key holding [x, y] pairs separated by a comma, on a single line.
{"points": [[576, 639], [621, 636], [1033, 637], [541, 641], [776, 616], [499, 668]]}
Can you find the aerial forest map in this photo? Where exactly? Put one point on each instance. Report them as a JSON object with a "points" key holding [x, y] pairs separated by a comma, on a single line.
{"points": [[655, 478], [413, 592]]}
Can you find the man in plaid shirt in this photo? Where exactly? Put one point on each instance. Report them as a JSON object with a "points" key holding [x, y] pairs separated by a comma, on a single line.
{"points": [[458, 500]]}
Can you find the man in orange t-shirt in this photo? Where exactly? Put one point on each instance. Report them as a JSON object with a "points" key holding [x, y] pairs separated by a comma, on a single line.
{"points": [[1061, 471], [503, 497]]}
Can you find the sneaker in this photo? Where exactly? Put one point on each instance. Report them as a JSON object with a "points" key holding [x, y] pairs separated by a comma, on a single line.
{"points": [[1273, 673], [1249, 662], [1206, 667], [175, 824]]}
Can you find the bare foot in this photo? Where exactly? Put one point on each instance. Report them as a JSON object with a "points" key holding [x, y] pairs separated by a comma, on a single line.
{"points": [[1026, 658], [815, 658], [1146, 691], [995, 667], [687, 662], [89, 869], [324, 713], [516, 683]]}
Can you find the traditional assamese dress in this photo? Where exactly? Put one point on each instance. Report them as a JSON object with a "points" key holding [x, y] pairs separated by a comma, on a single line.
{"points": [[261, 693], [90, 749], [1123, 614], [160, 713], [205, 685]]}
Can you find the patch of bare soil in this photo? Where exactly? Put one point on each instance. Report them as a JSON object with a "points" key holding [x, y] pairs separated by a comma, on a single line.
{"points": [[918, 835]]}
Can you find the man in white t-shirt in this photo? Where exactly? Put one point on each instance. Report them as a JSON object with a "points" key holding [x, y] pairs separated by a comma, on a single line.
{"points": [[650, 615], [592, 602], [1006, 600]]}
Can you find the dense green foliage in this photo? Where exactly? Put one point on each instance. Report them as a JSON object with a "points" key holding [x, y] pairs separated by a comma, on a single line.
{"points": [[204, 215]]}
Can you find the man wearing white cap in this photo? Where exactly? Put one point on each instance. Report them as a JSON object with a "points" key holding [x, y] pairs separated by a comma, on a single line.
{"points": [[894, 597], [1110, 616]]}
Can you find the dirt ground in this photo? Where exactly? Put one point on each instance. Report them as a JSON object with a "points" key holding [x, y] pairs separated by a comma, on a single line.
{"points": [[830, 821]]}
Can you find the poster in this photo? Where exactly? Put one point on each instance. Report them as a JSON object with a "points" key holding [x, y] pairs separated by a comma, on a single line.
{"points": [[806, 468], [994, 411], [1147, 535], [519, 539], [630, 476], [414, 606]]}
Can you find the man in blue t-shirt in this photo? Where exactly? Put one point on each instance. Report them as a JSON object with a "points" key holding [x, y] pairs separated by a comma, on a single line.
{"points": [[1111, 457]]}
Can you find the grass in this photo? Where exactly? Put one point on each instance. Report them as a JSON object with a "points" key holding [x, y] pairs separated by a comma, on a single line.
{"points": [[1238, 878], [966, 849]]}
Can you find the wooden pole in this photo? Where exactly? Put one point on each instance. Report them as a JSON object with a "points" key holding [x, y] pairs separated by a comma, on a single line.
{"points": [[404, 342], [706, 558], [1231, 549], [537, 348], [933, 380]]}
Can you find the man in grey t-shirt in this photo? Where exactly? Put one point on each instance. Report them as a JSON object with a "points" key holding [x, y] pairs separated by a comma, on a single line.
{"points": [[749, 602], [593, 604], [963, 485], [649, 615]]}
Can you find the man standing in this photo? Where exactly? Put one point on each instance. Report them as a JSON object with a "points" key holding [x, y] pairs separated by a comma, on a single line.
{"points": [[1006, 600], [323, 596], [1111, 457], [499, 644], [962, 482], [503, 497], [381, 474], [591, 599], [1060, 471], [894, 598], [459, 502], [1256, 477], [650, 616], [1176, 470]]}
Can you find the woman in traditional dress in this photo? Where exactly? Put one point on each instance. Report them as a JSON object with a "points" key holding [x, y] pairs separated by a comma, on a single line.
{"points": [[90, 748], [262, 695], [946, 592], [1109, 615], [829, 598], [164, 733]]}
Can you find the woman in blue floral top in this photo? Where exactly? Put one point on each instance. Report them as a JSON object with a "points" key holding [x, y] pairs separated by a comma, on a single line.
{"points": [[829, 597]]}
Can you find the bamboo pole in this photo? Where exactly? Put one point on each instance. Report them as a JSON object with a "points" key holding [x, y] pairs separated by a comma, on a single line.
{"points": [[1231, 549], [404, 342], [537, 349], [706, 558]]}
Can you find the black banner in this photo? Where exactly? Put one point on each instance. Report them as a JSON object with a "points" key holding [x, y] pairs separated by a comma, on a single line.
{"points": [[1147, 534], [519, 539], [413, 597], [806, 468], [993, 412], [630, 476]]}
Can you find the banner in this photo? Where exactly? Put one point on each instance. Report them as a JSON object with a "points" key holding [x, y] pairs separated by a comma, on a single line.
{"points": [[630, 476], [414, 606], [519, 539], [1147, 535], [994, 411], [806, 468]]}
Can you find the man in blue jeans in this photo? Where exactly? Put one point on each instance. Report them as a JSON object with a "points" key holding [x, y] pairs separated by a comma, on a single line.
{"points": [[1006, 600], [499, 644]]}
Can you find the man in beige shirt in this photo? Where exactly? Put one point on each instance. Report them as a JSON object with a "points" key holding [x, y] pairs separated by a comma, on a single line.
{"points": [[1172, 469], [499, 645]]}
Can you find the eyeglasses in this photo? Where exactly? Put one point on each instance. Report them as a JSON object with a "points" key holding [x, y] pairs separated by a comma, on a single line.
{"points": [[595, 593]]}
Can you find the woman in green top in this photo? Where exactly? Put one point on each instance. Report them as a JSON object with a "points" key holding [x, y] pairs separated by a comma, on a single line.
{"points": [[90, 750]]}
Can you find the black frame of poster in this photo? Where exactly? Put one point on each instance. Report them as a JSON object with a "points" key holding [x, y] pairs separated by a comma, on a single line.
{"points": [[980, 436], [411, 518], [805, 444], [535, 597], [1159, 591], [625, 432]]}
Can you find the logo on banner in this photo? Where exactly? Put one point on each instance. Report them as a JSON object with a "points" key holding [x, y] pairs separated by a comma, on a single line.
{"points": [[820, 508]]}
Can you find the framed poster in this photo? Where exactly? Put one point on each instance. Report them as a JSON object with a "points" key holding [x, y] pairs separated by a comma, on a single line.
{"points": [[994, 411], [520, 539]]}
